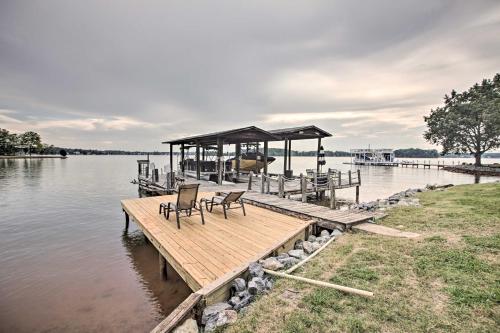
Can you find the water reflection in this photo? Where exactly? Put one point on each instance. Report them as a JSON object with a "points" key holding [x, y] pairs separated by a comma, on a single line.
{"points": [[144, 259]]}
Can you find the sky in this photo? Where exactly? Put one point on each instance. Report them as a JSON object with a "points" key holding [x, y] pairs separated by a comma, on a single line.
{"points": [[130, 74]]}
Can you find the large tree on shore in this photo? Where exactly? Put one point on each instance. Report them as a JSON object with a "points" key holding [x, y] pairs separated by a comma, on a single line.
{"points": [[469, 122], [30, 139], [8, 142]]}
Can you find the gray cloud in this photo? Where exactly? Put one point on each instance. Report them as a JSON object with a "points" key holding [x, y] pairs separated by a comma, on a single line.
{"points": [[128, 74]]}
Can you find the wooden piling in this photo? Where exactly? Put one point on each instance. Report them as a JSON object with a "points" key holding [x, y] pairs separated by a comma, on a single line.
{"points": [[127, 220], [250, 176], [303, 187], [262, 182], [163, 266], [357, 194]]}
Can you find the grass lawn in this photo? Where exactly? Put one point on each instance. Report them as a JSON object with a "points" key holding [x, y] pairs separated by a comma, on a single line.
{"points": [[448, 280]]}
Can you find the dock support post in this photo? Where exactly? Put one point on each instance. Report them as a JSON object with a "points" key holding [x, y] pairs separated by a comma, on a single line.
{"points": [[359, 177], [198, 171], [281, 186], [250, 176], [289, 154], [350, 178], [303, 187], [357, 194], [333, 201], [268, 185], [127, 220], [285, 155], [238, 157], [220, 162], [171, 180], [266, 152], [163, 266], [182, 160], [262, 182]]}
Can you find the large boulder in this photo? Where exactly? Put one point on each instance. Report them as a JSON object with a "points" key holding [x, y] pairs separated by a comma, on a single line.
{"points": [[315, 246], [213, 311], [298, 244], [336, 232], [256, 286], [244, 301], [308, 247], [311, 238], [234, 300], [272, 264], [299, 254], [238, 285], [223, 318], [256, 270], [324, 233], [283, 256], [290, 261]]}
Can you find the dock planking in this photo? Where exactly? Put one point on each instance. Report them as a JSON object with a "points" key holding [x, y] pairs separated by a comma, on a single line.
{"points": [[341, 218], [202, 254]]}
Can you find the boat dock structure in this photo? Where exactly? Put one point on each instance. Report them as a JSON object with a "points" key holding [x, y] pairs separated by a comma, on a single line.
{"points": [[279, 212]]}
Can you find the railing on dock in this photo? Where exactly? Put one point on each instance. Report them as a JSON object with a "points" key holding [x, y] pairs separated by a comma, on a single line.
{"points": [[305, 184]]}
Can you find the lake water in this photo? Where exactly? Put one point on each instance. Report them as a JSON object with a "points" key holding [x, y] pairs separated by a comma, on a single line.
{"points": [[66, 264]]}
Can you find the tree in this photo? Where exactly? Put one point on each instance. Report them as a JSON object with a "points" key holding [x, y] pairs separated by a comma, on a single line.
{"points": [[8, 142], [30, 139], [469, 122]]}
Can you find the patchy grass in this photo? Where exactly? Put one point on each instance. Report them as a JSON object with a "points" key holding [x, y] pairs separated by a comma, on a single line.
{"points": [[446, 280]]}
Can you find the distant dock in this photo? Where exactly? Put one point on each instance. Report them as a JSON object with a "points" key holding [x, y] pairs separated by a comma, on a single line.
{"points": [[406, 164]]}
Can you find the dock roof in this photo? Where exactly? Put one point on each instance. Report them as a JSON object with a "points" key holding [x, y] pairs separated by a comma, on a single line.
{"points": [[253, 134]]}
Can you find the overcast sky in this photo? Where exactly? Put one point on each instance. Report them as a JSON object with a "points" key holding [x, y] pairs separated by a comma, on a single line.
{"points": [[129, 74]]}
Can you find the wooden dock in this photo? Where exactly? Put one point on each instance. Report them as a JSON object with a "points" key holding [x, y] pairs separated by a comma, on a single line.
{"points": [[210, 256], [323, 216]]}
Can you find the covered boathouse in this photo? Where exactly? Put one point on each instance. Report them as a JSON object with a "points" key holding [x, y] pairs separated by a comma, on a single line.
{"points": [[250, 135]]}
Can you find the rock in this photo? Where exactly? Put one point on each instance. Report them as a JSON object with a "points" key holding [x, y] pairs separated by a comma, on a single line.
{"points": [[308, 247], [188, 326], [243, 294], [323, 239], [213, 310], [290, 261], [299, 254], [298, 244], [244, 302], [238, 285], [283, 256], [224, 318], [311, 238], [255, 270], [336, 232], [234, 300], [324, 233], [316, 246], [272, 263], [256, 286], [269, 284]]}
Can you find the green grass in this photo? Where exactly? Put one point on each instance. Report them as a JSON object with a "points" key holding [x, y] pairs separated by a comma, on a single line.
{"points": [[446, 280]]}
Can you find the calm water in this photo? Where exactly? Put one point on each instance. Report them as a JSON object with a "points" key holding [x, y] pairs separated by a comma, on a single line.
{"points": [[66, 264]]}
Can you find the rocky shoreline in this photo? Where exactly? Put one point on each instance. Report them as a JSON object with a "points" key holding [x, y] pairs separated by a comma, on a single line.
{"points": [[403, 198], [244, 292]]}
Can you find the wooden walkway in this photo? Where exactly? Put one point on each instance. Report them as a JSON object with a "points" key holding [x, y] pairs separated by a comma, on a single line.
{"points": [[324, 216], [221, 248]]}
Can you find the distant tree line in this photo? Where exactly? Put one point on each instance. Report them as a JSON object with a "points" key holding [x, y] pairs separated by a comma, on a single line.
{"points": [[416, 153], [29, 142], [281, 151]]}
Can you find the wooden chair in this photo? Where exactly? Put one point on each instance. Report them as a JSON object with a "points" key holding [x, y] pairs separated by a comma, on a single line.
{"points": [[186, 201], [225, 201]]}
